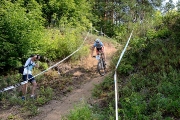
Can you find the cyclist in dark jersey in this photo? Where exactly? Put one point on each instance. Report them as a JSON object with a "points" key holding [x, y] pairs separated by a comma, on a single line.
{"points": [[99, 47]]}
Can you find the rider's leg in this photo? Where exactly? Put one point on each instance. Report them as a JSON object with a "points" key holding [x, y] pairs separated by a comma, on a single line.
{"points": [[24, 91], [104, 56], [97, 51], [24, 87], [34, 86]]}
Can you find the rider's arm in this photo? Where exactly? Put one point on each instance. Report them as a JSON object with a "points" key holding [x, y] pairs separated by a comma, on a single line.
{"points": [[37, 64], [37, 60]]}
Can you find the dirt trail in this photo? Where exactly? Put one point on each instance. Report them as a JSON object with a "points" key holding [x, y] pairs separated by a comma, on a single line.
{"points": [[55, 109]]}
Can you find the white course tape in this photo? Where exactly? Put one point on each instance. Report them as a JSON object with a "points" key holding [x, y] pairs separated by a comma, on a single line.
{"points": [[24, 82], [116, 95], [123, 51], [115, 76]]}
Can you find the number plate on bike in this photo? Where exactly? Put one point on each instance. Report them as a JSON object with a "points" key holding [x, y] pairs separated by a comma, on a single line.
{"points": [[97, 57]]}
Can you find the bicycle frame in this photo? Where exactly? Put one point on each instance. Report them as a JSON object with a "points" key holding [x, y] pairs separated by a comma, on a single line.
{"points": [[100, 66]]}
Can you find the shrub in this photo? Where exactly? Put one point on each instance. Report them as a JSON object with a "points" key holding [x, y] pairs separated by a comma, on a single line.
{"points": [[20, 31], [81, 111]]}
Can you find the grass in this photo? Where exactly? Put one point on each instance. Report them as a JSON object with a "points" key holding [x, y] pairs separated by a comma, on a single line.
{"points": [[82, 111]]}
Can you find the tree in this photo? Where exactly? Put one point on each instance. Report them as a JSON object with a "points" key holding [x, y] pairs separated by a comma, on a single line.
{"points": [[169, 6], [20, 32], [72, 12], [178, 5], [115, 12]]}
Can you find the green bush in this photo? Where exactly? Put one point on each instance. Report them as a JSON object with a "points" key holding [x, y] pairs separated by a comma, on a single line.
{"points": [[164, 33], [57, 46], [125, 69], [20, 32], [45, 94], [81, 111], [43, 66]]}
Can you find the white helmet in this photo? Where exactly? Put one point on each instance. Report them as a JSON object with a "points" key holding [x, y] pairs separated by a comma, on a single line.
{"points": [[97, 40]]}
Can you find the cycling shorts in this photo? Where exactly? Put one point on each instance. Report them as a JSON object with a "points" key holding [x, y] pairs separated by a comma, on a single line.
{"points": [[99, 49], [30, 78]]}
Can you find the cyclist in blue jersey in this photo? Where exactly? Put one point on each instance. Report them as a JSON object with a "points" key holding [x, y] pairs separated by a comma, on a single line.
{"points": [[99, 47]]}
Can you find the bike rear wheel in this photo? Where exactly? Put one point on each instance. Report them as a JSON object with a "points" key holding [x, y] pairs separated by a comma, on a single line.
{"points": [[101, 67]]}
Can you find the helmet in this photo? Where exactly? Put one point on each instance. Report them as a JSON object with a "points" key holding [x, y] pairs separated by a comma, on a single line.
{"points": [[97, 40]]}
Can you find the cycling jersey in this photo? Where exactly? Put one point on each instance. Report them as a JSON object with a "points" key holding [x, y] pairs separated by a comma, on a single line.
{"points": [[30, 64], [98, 45]]}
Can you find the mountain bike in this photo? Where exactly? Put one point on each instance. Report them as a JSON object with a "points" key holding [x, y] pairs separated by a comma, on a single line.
{"points": [[101, 66]]}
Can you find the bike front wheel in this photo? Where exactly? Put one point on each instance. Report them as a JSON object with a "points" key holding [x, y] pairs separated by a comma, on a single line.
{"points": [[101, 68]]}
